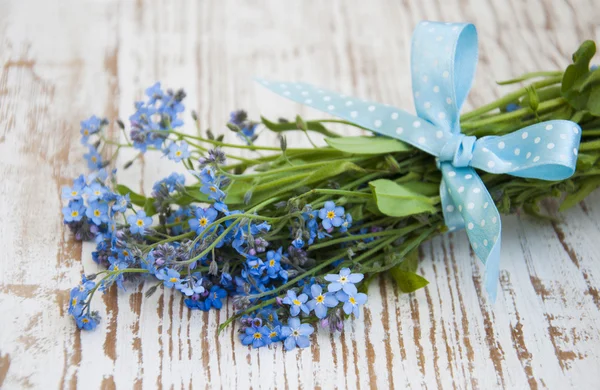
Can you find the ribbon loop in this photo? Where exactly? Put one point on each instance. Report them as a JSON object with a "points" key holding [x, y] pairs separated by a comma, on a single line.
{"points": [[458, 150], [444, 57], [443, 62]]}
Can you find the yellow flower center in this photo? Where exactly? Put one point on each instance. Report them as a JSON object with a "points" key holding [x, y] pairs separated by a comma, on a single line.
{"points": [[271, 318], [257, 335], [94, 159], [297, 302], [116, 268], [343, 279], [203, 221], [74, 213], [140, 222], [125, 253], [295, 333], [178, 153], [85, 320], [74, 193], [272, 263], [86, 132], [74, 302], [97, 213], [273, 334], [352, 300], [320, 299], [330, 214], [177, 219], [173, 280], [213, 189]]}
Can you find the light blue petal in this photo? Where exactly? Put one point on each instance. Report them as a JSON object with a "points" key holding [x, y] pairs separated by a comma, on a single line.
{"points": [[320, 311], [289, 343], [355, 278], [349, 289], [302, 341]]}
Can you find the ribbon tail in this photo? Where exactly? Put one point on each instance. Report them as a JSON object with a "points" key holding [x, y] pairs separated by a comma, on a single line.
{"points": [[492, 269], [473, 204], [454, 221]]}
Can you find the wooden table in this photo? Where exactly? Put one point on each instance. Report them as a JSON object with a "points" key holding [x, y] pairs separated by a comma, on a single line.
{"points": [[63, 61]]}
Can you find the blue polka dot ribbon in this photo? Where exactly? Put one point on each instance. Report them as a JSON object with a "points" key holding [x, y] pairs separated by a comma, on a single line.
{"points": [[444, 57]]}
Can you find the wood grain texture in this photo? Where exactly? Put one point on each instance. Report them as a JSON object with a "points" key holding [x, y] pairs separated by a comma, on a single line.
{"points": [[62, 61]]}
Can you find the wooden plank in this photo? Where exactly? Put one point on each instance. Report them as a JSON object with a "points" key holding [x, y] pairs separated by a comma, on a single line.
{"points": [[62, 63]]}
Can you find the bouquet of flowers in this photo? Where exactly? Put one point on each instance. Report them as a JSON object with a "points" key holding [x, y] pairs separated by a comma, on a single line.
{"points": [[294, 235]]}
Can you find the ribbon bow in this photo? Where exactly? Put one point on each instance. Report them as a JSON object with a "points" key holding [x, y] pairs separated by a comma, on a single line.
{"points": [[444, 57]]}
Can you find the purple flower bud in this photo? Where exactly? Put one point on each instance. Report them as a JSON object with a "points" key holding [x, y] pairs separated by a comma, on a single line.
{"points": [[279, 301], [324, 323], [252, 252]]}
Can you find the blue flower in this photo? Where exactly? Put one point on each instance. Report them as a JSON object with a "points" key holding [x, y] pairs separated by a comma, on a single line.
{"points": [[117, 266], [178, 217], [122, 202], [171, 183], [206, 175], [77, 301], [178, 152], [296, 303], [257, 336], [170, 278], [139, 222], [298, 243], [88, 127], [204, 217], [331, 215], [344, 281], [95, 191], [154, 93], [74, 192], [190, 288], [214, 297], [275, 334], [97, 212], [93, 158], [255, 265], [320, 301], [274, 263], [213, 191], [74, 211], [86, 322], [296, 334], [347, 224], [352, 302]]}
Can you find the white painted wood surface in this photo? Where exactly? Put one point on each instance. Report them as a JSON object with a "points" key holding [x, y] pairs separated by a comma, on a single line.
{"points": [[61, 61]]}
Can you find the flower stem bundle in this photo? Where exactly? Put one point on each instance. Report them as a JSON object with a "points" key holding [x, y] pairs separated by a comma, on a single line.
{"points": [[292, 236]]}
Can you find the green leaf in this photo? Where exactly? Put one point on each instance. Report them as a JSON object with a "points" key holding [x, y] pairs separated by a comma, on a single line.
{"points": [[397, 200], [407, 281], [136, 199], [587, 186], [149, 207], [368, 145], [593, 104], [410, 262], [423, 188], [574, 87]]}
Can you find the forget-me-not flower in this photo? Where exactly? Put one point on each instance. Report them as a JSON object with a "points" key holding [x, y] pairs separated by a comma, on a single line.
{"points": [[331, 215], [320, 301], [296, 334], [343, 281], [296, 303]]}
